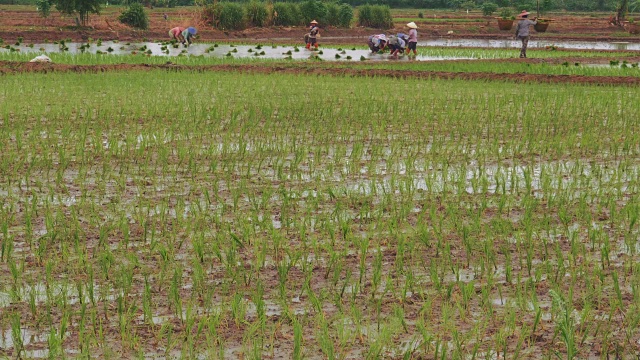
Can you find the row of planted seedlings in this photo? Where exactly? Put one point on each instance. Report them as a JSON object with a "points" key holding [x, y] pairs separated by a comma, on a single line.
{"points": [[251, 220]]}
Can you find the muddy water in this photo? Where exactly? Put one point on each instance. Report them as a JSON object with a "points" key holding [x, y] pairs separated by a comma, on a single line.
{"points": [[507, 43], [219, 51]]}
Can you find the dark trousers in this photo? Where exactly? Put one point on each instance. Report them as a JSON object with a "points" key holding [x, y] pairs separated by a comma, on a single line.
{"points": [[525, 43]]}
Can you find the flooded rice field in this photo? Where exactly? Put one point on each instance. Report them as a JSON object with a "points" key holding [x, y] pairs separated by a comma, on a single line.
{"points": [[533, 43], [218, 51]]}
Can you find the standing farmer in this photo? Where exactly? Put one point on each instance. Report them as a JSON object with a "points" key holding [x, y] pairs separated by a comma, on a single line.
{"points": [[314, 32], [412, 43], [522, 31]]}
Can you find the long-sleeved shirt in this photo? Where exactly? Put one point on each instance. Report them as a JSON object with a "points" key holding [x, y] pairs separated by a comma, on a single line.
{"points": [[413, 35], [313, 32], [397, 41], [186, 34], [376, 39], [522, 29]]}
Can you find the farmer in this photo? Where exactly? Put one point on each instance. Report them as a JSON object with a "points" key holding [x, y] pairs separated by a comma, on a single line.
{"points": [[377, 43], [188, 35], [412, 42], [314, 32], [176, 33], [397, 43], [522, 31]]}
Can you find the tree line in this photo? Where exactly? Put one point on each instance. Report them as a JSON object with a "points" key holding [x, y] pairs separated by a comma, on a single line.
{"points": [[570, 5]]}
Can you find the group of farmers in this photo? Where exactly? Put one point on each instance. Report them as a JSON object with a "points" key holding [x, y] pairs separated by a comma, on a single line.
{"points": [[377, 43], [397, 43], [184, 35]]}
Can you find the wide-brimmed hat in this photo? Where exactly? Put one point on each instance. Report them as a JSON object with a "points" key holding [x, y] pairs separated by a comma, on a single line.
{"points": [[412, 25], [382, 37], [523, 13], [314, 22], [192, 30]]}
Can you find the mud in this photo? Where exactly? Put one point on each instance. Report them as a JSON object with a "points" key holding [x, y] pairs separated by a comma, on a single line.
{"points": [[7, 67]]}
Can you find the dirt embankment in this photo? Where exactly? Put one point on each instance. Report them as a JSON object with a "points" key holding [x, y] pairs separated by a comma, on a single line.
{"points": [[24, 22], [320, 70]]}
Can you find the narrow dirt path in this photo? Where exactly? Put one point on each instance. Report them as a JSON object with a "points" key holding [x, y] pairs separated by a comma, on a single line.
{"points": [[8, 67]]}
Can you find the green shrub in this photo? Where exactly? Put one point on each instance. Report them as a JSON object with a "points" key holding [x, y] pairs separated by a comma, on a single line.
{"points": [[135, 16], [489, 8], [257, 13], [468, 5], [376, 16], [345, 15], [313, 10], [286, 14], [421, 15], [226, 15], [331, 18], [44, 8]]}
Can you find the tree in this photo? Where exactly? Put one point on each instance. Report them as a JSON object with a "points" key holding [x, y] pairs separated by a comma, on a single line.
{"points": [[489, 8], [618, 18], [135, 17], [82, 7], [44, 8]]}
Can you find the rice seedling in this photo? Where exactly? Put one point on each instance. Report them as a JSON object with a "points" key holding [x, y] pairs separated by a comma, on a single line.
{"points": [[237, 213]]}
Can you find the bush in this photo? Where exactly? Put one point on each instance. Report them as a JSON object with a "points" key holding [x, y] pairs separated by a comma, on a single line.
{"points": [[286, 14], [489, 8], [345, 15], [313, 10], [468, 5], [257, 13], [421, 15], [135, 16], [376, 16], [331, 18], [226, 15], [44, 8], [506, 14]]}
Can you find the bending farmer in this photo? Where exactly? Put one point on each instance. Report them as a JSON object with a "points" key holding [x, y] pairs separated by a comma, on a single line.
{"points": [[397, 43], [377, 43], [188, 35], [176, 33]]}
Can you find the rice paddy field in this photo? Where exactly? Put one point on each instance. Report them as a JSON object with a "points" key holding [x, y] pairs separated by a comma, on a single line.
{"points": [[274, 209]]}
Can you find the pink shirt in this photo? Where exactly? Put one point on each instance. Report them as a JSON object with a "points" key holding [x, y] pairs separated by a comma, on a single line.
{"points": [[413, 35], [177, 31]]}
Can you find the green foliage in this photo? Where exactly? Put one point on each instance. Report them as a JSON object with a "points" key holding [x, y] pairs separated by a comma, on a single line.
{"points": [[257, 13], [230, 16], [376, 16], [225, 15], [286, 14], [135, 16], [331, 18], [82, 7], [506, 13], [468, 5], [345, 15], [489, 8], [313, 10], [44, 8]]}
